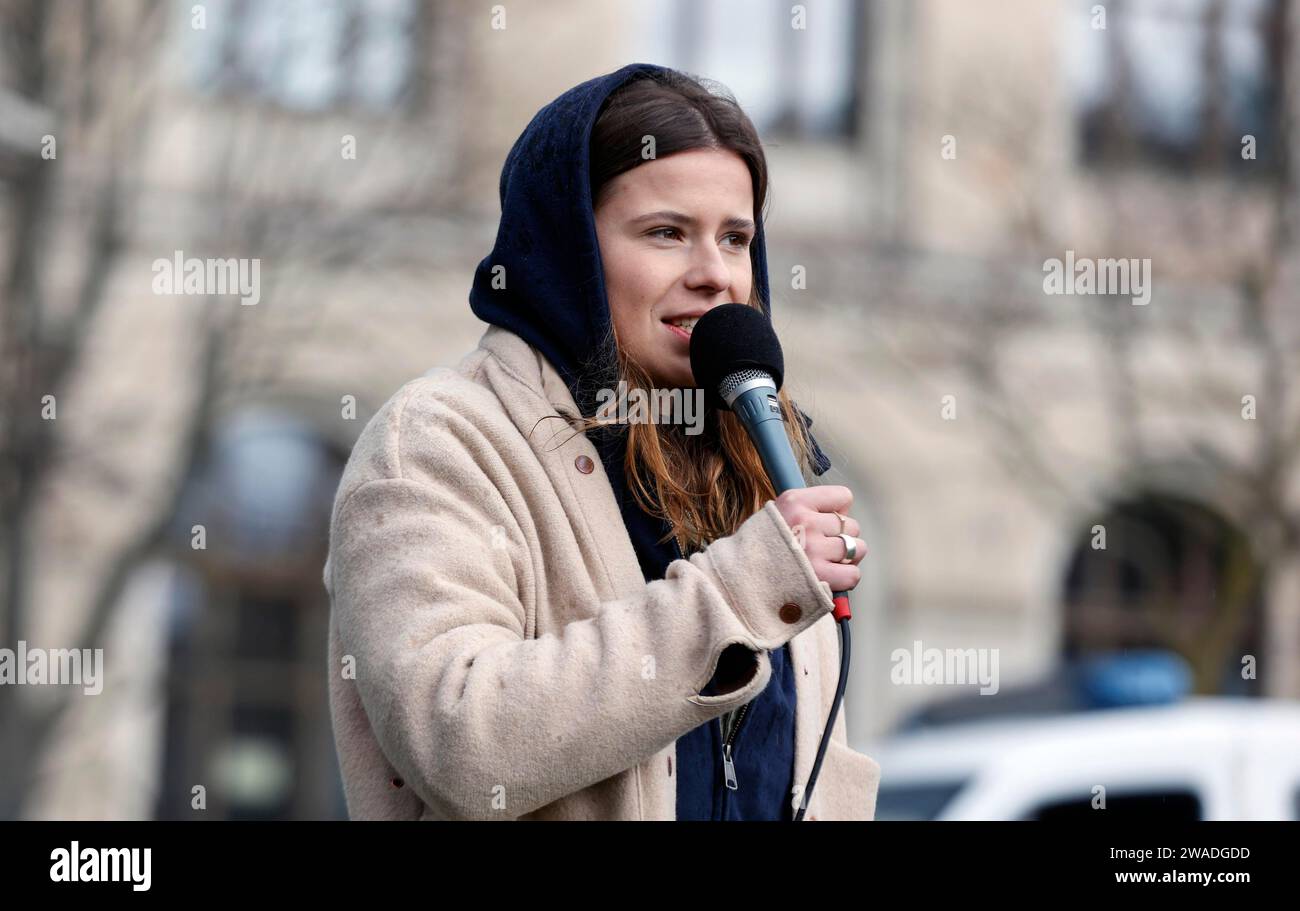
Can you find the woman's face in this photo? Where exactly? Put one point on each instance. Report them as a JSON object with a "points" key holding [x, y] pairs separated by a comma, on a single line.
{"points": [[674, 239]]}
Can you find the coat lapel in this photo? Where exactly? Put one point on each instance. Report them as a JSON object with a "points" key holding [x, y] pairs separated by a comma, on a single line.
{"points": [[616, 568]]}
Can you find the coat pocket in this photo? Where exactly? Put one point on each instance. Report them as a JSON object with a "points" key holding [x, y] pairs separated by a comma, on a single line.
{"points": [[846, 787]]}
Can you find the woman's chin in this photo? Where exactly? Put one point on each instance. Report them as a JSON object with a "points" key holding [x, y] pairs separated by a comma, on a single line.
{"points": [[678, 382], [672, 377]]}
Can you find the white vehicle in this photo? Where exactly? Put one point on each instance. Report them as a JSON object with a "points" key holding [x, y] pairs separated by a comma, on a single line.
{"points": [[1200, 758]]}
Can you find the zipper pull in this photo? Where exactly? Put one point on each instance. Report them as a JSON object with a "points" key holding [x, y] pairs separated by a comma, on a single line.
{"points": [[729, 767]]}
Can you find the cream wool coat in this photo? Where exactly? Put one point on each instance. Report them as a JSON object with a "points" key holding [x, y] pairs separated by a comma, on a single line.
{"points": [[494, 649]]}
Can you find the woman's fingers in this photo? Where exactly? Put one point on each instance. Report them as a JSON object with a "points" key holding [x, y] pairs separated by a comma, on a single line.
{"points": [[832, 549], [829, 549], [828, 523], [827, 526], [825, 498], [816, 509], [841, 577], [811, 513]]}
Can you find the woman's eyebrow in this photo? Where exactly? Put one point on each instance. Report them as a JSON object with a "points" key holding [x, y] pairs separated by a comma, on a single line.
{"points": [[734, 222]]}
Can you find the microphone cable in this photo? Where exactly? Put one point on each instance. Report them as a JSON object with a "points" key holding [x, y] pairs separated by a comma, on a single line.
{"points": [[842, 616]]}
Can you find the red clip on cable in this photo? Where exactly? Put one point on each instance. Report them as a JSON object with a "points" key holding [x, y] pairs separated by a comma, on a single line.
{"points": [[841, 611]]}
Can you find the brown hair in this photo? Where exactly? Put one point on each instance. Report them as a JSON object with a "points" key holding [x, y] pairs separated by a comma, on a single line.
{"points": [[705, 485]]}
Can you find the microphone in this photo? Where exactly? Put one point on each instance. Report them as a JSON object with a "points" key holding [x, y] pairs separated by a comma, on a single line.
{"points": [[737, 360]]}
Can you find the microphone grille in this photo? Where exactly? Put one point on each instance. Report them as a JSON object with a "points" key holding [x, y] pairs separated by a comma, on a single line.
{"points": [[728, 344], [732, 382]]}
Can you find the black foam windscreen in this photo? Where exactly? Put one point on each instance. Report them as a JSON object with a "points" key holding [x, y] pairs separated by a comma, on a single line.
{"points": [[733, 337]]}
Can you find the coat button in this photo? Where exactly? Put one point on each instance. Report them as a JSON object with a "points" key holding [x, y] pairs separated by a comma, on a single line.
{"points": [[397, 782], [791, 613], [585, 464]]}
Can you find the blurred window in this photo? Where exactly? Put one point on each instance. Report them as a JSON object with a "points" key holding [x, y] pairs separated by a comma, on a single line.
{"points": [[247, 711], [792, 81], [263, 491], [304, 54], [1178, 83], [1171, 575]]}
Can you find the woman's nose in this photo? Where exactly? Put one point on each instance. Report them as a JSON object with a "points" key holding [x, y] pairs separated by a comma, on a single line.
{"points": [[708, 270]]}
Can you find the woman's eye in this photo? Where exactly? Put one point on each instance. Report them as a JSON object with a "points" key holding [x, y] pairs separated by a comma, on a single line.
{"points": [[734, 239]]}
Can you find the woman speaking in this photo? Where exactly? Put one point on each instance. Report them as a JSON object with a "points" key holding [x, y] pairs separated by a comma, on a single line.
{"points": [[540, 614]]}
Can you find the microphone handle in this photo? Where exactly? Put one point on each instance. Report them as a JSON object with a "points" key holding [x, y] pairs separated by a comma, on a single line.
{"points": [[760, 411]]}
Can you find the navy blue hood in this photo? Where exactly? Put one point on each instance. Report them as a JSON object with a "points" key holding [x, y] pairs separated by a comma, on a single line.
{"points": [[548, 259]]}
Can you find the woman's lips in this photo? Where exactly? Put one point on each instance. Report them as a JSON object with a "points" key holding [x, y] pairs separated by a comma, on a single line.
{"points": [[679, 332]]}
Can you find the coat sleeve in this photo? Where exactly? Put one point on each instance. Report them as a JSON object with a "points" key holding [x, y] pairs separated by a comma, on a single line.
{"points": [[486, 721]]}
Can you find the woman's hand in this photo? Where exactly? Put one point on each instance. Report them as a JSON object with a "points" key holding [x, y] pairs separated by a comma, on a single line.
{"points": [[810, 513]]}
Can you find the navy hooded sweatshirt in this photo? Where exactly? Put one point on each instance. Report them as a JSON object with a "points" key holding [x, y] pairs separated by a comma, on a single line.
{"points": [[550, 291]]}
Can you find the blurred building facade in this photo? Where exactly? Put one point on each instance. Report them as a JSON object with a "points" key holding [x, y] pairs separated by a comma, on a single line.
{"points": [[927, 159]]}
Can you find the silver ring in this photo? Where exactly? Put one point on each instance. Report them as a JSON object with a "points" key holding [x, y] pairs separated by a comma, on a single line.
{"points": [[850, 548]]}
